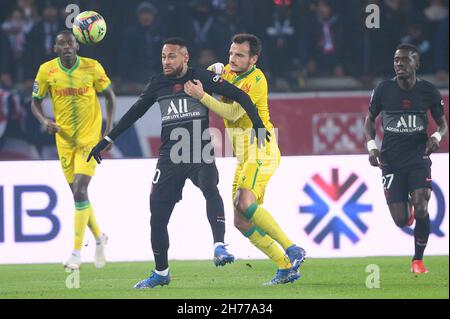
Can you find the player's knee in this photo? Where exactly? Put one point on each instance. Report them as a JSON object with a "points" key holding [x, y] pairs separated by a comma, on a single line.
{"points": [[421, 210], [160, 212], [242, 206], [79, 193], [211, 192], [400, 218], [420, 204], [243, 201], [400, 222], [156, 209]]}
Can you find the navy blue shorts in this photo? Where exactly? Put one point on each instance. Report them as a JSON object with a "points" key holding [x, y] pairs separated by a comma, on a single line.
{"points": [[169, 179], [398, 184]]}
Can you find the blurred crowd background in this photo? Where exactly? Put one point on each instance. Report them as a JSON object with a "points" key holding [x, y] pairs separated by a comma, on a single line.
{"points": [[308, 45], [302, 38]]}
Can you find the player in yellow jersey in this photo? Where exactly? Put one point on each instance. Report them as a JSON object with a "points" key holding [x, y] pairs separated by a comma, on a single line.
{"points": [[73, 83], [255, 166]]}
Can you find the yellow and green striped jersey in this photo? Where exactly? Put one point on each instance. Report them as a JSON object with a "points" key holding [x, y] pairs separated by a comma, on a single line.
{"points": [[74, 96]]}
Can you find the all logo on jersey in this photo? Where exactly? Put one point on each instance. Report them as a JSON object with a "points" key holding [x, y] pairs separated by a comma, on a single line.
{"points": [[178, 109], [335, 211], [406, 122]]}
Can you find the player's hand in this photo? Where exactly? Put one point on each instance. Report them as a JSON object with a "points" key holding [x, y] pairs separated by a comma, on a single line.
{"points": [[261, 133], [431, 146], [374, 158], [51, 126], [218, 68], [95, 152], [194, 89]]}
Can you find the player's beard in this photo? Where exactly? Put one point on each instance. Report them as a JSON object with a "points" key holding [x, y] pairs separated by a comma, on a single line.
{"points": [[176, 72]]}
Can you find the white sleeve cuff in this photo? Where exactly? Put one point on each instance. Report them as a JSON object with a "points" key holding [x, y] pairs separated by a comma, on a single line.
{"points": [[437, 136], [371, 145]]}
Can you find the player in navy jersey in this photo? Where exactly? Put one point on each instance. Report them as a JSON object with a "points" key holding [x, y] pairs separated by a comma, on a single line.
{"points": [[182, 118], [405, 152]]}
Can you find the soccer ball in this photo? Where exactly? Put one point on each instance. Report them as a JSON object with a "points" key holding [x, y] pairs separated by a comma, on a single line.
{"points": [[89, 27]]}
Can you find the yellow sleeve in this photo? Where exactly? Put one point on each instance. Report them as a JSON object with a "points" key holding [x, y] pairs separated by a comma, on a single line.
{"points": [[259, 91], [40, 86], [101, 80], [230, 112]]}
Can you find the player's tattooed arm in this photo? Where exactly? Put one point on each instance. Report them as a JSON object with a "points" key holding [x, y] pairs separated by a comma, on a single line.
{"points": [[36, 108], [433, 141], [370, 133]]}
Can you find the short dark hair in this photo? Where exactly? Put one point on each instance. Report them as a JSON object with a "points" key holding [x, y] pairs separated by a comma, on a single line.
{"points": [[176, 41], [409, 47], [68, 32], [253, 41]]}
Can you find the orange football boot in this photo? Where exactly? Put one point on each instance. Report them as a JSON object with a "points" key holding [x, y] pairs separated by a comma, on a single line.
{"points": [[417, 267]]}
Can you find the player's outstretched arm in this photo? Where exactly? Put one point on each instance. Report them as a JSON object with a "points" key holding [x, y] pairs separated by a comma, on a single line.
{"points": [[230, 112], [36, 109], [230, 91], [433, 141], [138, 109], [370, 132]]}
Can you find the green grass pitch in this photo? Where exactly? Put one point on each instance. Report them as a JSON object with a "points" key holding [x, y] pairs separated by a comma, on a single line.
{"points": [[321, 278]]}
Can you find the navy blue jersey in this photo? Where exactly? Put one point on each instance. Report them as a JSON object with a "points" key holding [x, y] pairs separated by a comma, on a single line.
{"points": [[179, 112], [405, 120]]}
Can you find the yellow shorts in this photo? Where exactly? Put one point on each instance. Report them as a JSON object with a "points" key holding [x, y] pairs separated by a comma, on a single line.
{"points": [[73, 161], [255, 175]]}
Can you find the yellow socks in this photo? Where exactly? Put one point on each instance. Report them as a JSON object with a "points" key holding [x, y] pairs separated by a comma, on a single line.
{"points": [[81, 220], [264, 220], [268, 246], [92, 224]]}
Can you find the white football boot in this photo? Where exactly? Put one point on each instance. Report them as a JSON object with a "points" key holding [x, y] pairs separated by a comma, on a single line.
{"points": [[74, 262]]}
